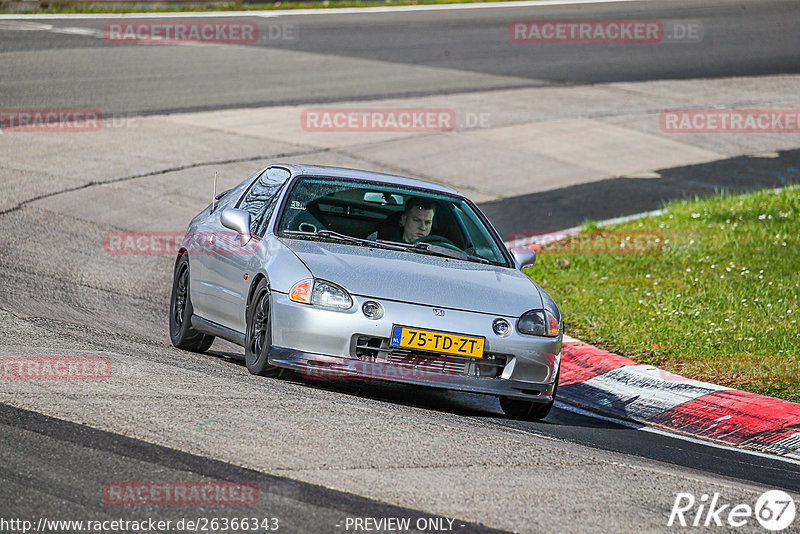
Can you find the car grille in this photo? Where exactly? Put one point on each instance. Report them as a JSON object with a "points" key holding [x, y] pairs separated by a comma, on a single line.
{"points": [[377, 349]]}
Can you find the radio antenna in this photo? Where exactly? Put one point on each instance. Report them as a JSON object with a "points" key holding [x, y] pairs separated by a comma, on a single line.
{"points": [[214, 198]]}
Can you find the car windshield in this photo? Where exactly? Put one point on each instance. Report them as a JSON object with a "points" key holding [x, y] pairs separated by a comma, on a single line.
{"points": [[363, 213]]}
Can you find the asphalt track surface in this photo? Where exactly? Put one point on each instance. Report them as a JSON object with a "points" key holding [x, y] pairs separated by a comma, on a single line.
{"points": [[58, 468], [363, 56]]}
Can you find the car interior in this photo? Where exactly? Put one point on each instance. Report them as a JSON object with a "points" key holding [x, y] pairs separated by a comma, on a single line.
{"points": [[360, 212]]}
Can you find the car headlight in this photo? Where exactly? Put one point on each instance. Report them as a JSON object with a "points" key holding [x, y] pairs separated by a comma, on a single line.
{"points": [[321, 293], [538, 323]]}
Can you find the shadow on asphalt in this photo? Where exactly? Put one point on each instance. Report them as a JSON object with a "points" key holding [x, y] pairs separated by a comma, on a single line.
{"points": [[568, 207], [427, 398], [401, 394]]}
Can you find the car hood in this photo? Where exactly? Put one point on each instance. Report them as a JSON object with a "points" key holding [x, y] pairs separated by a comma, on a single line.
{"points": [[420, 278]]}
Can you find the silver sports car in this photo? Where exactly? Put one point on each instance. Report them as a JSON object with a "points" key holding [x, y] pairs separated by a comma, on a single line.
{"points": [[339, 273]]}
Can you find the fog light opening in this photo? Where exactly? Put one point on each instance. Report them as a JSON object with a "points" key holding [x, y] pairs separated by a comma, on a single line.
{"points": [[372, 309], [501, 327]]}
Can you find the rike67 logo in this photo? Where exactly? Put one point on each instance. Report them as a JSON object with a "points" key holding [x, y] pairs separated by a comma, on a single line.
{"points": [[774, 510]]}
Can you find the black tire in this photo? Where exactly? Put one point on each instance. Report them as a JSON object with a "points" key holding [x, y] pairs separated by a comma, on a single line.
{"points": [[181, 332], [527, 410], [258, 338]]}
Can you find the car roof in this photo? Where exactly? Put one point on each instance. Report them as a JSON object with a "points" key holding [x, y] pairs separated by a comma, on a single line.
{"points": [[369, 176]]}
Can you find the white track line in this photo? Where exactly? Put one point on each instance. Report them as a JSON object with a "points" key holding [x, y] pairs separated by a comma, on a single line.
{"points": [[305, 12]]}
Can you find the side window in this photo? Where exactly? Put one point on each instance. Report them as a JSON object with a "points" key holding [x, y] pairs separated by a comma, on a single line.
{"points": [[257, 199], [481, 241], [270, 209]]}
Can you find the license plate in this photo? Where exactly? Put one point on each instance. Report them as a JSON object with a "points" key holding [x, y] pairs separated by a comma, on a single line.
{"points": [[407, 337]]}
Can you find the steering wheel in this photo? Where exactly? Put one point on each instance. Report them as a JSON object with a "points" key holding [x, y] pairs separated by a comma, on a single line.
{"points": [[438, 240]]}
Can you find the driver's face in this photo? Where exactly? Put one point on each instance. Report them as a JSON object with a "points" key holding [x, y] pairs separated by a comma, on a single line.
{"points": [[416, 224]]}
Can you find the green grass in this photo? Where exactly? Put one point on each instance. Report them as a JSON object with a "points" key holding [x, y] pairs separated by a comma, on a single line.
{"points": [[708, 290], [56, 7]]}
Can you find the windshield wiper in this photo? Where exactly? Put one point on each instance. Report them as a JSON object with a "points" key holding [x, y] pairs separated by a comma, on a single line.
{"points": [[429, 248], [325, 233], [346, 238], [439, 250], [448, 252]]}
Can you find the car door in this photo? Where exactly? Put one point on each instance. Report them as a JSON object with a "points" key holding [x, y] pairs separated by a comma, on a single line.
{"points": [[228, 260]]}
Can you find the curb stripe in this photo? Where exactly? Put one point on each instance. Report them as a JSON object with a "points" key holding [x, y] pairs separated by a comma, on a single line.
{"points": [[581, 362], [788, 446], [607, 383], [735, 417], [637, 392]]}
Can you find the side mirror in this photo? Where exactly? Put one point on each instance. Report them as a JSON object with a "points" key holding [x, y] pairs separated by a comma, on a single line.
{"points": [[238, 221], [523, 256]]}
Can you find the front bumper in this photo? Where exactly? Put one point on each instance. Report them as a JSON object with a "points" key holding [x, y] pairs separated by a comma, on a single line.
{"points": [[322, 367], [321, 343]]}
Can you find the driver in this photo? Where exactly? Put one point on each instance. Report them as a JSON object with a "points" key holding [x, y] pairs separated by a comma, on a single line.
{"points": [[417, 219], [415, 222]]}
